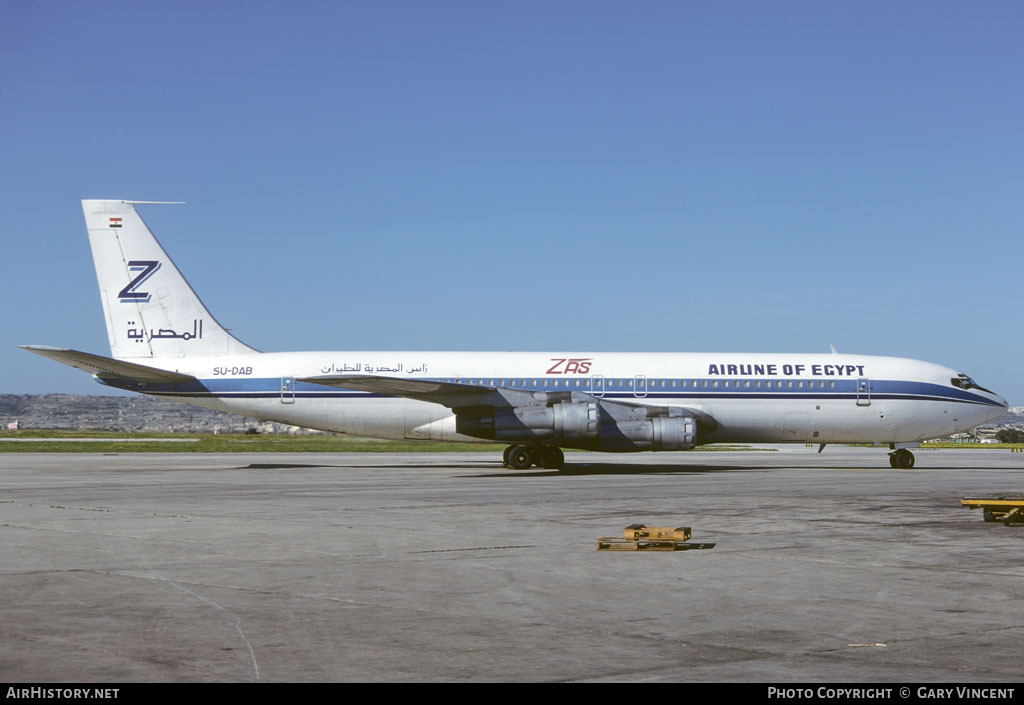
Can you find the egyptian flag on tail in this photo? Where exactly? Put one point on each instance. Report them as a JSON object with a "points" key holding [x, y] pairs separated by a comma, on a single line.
{"points": [[115, 222]]}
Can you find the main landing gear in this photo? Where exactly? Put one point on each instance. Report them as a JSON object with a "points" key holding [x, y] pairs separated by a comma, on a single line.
{"points": [[901, 459], [521, 457]]}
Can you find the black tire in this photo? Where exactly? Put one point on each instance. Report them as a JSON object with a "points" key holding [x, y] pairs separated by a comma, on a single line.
{"points": [[551, 458], [520, 458], [904, 459], [504, 456]]}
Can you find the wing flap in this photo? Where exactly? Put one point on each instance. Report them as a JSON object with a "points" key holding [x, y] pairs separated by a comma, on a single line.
{"points": [[108, 367]]}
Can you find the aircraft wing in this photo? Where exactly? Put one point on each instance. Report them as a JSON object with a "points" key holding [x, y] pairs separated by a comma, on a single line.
{"points": [[457, 396], [109, 367], [415, 388], [454, 395]]}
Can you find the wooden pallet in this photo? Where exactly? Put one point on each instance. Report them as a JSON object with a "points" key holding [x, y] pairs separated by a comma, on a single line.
{"points": [[617, 544], [638, 537], [638, 532]]}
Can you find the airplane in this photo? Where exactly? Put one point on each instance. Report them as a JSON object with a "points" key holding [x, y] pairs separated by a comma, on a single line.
{"points": [[165, 342]]}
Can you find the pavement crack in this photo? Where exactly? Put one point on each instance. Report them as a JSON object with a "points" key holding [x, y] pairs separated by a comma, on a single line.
{"points": [[237, 620]]}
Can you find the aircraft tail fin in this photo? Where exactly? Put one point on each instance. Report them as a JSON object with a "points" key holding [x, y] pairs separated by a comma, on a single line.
{"points": [[150, 309]]}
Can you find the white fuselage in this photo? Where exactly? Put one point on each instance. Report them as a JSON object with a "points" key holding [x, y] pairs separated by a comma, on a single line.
{"points": [[827, 398]]}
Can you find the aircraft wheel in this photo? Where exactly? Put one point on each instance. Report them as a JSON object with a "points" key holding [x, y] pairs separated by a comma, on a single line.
{"points": [[892, 460], [551, 457], [903, 459], [504, 456], [520, 457]]}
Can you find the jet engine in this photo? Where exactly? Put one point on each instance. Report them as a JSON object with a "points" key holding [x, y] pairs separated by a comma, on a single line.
{"points": [[592, 425]]}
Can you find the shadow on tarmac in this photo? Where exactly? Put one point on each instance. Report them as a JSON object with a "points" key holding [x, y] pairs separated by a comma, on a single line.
{"points": [[583, 469], [569, 470]]}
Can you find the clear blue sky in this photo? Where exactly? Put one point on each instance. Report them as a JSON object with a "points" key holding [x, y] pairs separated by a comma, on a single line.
{"points": [[651, 176]]}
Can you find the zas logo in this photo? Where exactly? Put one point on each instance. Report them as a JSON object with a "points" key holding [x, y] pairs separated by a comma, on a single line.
{"points": [[570, 366], [143, 270]]}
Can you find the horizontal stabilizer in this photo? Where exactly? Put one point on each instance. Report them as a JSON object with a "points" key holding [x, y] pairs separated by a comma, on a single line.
{"points": [[108, 367]]}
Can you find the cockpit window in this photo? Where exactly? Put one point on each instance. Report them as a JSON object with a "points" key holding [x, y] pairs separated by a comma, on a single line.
{"points": [[965, 382]]}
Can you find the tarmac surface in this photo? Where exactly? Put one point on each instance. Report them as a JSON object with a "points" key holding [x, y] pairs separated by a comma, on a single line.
{"points": [[447, 567]]}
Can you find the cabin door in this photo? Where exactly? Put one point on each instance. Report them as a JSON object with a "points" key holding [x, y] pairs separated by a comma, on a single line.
{"points": [[863, 391], [287, 390]]}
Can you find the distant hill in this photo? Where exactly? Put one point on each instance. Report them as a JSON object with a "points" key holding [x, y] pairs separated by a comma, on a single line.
{"points": [[1013, 417], [137, 413]]}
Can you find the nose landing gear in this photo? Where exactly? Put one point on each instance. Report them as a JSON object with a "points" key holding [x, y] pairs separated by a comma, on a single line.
{"points": [[901, 459]]}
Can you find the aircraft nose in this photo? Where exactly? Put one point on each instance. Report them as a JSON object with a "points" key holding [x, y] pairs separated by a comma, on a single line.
{"points": [[1003, 405], [995, 412]]}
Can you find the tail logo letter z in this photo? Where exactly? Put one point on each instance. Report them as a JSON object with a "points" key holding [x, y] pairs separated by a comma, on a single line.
{"points": [[144, 269]]}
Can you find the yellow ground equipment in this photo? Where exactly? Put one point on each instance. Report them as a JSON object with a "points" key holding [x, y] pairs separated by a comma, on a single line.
{"points": [[1009, 510], [639, 537]]}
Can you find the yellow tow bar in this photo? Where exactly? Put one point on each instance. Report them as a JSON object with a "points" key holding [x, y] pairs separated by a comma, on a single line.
{"points": [[1009, 510]]}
